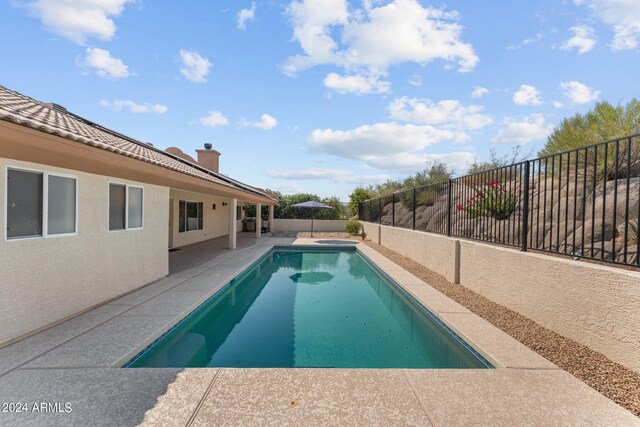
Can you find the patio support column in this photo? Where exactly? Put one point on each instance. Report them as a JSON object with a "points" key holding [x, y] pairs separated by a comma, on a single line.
{"points": [[271, 210], [233, 225], [258, 220]]}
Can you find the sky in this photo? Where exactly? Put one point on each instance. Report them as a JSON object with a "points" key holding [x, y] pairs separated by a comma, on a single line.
{"points": [[321, 96]]}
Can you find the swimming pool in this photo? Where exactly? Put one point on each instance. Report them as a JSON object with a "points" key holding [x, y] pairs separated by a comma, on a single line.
{"points": [[310, 307]]}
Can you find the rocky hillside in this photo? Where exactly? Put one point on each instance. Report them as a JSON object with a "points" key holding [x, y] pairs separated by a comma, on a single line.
{"points": [[565, 218]]}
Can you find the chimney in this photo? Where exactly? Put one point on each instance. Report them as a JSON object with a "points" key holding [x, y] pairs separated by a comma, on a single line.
{"points": [[209, 158]]}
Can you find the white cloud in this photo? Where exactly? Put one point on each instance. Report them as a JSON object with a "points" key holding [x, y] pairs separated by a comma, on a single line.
{"points": [[339, 176], [377, 139], [479, 92], [104, 64], [194, 67], [373, 38], [416, 80], [407, 162], [213, 119], [312, 20], [527, 95], [583, 39], [290, 188], [404, 30], [388, 146], [357, 84], [579, 93], [246, 15], [134, 107], [449, 114], [78, 20], [266, 122], [458, 160], [529, 40], [623, 16], [530, 128]]}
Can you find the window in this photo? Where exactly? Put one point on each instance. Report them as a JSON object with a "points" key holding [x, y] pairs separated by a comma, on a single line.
{"points": [[135, 207], [125, 207], [238, 213], [190, 216], [40, 204], [61, 216]]}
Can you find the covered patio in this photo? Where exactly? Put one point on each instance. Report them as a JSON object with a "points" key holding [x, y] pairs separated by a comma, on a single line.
{"points": [[197, 254]]}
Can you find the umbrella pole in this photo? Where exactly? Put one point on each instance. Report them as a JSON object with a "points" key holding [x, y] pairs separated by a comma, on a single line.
{"points": [[312, 226]]}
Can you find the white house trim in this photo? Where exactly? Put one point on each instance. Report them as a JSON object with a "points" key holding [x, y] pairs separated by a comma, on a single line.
{"points": [[45, 203]]}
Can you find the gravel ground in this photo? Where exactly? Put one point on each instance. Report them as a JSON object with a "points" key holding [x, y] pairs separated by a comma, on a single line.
{"points": [[620, 384]]}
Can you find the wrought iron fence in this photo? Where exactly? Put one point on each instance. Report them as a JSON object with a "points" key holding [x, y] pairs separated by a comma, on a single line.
{"points": [[583, 203]]}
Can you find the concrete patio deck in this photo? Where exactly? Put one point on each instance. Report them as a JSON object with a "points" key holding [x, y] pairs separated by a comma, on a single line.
{"points": [[77, 362]]}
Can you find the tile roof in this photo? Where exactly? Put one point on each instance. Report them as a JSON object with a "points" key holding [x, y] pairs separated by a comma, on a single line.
{"points": [[52, 119]]}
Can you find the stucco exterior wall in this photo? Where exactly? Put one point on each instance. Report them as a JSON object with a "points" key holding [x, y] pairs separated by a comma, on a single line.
{"points": [[438, 253], [598, 306], [304, 225], [44, 280], [215, 221], [593, 304], [373, 231]]}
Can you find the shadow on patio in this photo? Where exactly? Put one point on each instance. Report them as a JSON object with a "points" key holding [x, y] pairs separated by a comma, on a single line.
{"points": [[197, 254]]}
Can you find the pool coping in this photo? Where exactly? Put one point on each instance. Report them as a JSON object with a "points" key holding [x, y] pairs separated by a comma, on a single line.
{"points": [[138, 319], [415, 298]]}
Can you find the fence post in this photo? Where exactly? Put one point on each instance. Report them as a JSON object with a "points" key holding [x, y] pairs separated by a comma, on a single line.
{"points": [[414, 208], [393, 209], [449, 208], [525, 208]]}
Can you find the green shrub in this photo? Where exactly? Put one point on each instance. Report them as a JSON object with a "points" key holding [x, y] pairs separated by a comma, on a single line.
{"points": [[353, 227], [491, 200]]}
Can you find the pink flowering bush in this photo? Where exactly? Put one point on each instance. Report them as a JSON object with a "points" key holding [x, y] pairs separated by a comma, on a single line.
{"points": [[491, 200]]}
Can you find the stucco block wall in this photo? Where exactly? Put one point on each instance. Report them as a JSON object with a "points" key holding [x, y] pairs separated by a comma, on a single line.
{"points": [[215, 221], [373, 231], [595, 305], [44, 280], [304, 225], [438, 253], [598, 306], [435, 252]]}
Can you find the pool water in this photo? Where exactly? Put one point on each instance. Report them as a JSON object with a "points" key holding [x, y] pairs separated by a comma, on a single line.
{"points": [[310, 308]]}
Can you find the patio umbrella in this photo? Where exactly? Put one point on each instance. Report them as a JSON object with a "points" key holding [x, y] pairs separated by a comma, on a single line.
{"points": [[312, 204]]}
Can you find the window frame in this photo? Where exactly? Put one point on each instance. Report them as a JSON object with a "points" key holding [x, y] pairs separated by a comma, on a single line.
{"points": [[126, 206], [186, 201], [45, 203]]}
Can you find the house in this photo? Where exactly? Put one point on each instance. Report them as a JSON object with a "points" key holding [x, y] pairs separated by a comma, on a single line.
{"points": [[88, 214]]}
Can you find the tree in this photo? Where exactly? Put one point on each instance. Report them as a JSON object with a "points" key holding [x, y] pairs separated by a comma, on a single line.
{"points": [[387, 187], [604, 122], [359, 195], [435, 173], [496, 161], [285, 210]]}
